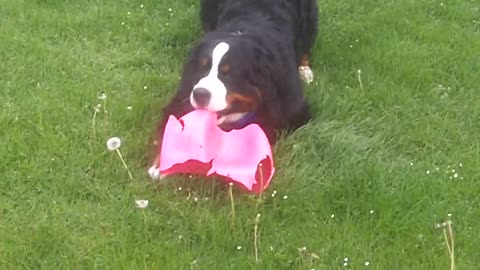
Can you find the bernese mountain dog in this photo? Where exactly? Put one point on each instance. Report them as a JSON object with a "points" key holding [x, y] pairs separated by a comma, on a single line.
{"points": [[249, 65]]}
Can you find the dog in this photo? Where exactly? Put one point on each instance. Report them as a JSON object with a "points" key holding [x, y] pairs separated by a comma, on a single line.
{"points": [[249, 65]]}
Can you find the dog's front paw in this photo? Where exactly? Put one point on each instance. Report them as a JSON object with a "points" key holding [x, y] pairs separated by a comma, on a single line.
{"points": [[154, 171], [306, 74]]}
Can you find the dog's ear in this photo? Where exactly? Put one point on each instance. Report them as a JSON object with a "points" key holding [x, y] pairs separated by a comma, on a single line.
{"points": [[284, 106]]}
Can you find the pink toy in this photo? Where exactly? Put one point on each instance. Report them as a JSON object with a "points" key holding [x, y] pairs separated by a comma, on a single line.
{"points": [[195, 145]]}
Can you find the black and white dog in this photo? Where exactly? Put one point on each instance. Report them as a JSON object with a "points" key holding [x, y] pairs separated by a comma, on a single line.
{"points": [[249, 65]]}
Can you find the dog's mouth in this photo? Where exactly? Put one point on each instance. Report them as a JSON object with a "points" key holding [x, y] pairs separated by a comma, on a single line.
{"points": [[225, 117]]}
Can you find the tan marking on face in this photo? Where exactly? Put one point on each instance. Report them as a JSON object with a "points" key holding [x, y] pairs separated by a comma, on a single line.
{"points": [[225, 68], [245, 103], [203, 62]]}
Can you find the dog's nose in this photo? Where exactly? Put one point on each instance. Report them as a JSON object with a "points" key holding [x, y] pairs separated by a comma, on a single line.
{"points": [[201, 97]]}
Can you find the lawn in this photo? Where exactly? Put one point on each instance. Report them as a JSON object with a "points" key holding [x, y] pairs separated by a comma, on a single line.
{"points": [[392, 152]]}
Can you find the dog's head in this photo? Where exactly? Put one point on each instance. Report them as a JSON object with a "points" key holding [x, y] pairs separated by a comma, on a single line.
{"points": [[220, 76]]}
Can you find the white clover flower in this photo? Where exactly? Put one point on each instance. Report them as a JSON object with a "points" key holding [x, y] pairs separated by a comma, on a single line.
{"points": [[114, 143], [141, 204]]}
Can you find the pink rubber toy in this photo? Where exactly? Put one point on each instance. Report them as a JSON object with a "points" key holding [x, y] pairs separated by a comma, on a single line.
{"points": [[194, 144]]}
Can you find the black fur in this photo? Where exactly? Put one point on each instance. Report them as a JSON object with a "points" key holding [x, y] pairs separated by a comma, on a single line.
{"points": [[267, 39]]}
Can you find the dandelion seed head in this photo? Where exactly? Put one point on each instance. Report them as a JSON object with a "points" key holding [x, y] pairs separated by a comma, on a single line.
{"points": [[141, 204], [114, 143], [102, 96]]}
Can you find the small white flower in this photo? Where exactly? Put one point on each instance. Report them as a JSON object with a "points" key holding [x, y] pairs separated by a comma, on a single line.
{"points": [[102, 96], [114, 143], [128, 13], [367, 263], [129, 107], [411, 163], [195, 199], [141, 6], [345, 264], [453, 171], [449, 214], [455, 175], [345, 259], [145, 87], [285, 197], [97, 108], [179, 188], [332, 216], [371, 211], [141, 204], [239, 247], [461, 165], [170, 10], [123, 23], [437, 169], [428, 172]]}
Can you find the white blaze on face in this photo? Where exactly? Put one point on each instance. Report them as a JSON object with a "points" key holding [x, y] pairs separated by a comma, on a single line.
{"points": [[218, 91]]}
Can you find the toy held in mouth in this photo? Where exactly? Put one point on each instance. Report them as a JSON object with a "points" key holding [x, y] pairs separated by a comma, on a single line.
{"points": [[194, 144]]}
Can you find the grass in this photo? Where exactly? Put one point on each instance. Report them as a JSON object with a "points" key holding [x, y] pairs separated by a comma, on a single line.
{"points": [[359, 182]]}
